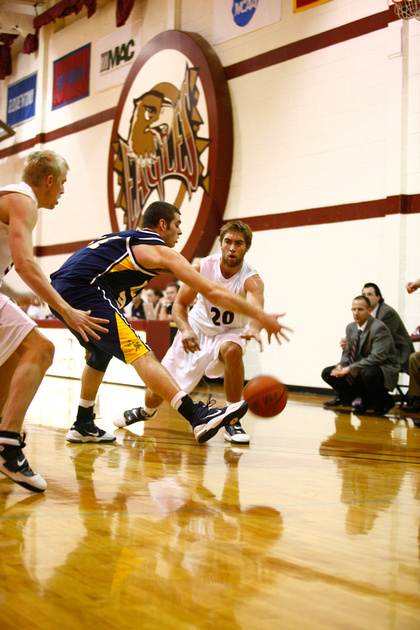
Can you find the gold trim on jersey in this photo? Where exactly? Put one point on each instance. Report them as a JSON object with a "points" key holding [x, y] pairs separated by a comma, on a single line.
{"points": [[131, 345]]}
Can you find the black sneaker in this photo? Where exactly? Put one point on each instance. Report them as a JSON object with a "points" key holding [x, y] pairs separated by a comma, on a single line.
{"points": [[14, 465], [234, 433], [206, 421], [131, 416], [88, 432]]}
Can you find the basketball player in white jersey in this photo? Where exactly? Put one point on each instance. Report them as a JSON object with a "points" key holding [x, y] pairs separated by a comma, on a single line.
{"points": [[211, 340], [25, 354]]}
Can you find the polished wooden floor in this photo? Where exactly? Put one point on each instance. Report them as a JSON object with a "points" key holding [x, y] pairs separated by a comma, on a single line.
{"points": [[315, 525]]}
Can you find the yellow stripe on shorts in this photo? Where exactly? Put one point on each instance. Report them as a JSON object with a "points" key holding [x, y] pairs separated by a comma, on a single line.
{"points": [[131, 345]]}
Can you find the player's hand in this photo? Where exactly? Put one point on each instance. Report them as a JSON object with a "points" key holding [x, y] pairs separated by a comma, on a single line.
{"points": [[252, 332], [83, 323], [190, 341], [273, 327], [26, 299], [411, 287]]}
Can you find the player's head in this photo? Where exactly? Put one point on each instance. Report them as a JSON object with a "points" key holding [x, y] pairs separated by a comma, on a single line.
{"points": [[159, 210], [40, 164], [373, 293], [237, 226]]}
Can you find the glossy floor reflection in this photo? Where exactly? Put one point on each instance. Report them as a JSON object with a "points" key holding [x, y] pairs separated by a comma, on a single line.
{"points": [[314, 525]]}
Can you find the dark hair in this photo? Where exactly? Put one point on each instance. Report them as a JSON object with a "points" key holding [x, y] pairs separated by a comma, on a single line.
{"points": [[156, 211], [173, 284], [372, 285], [40, 164], [237, 226], [363, 297]]}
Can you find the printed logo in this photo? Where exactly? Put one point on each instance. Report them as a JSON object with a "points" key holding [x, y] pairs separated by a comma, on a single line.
{"points": [[243, 11], [172, 139]]}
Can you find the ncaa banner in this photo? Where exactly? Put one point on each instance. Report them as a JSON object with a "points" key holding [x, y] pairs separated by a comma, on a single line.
{"points": [[232, 18], [21, 101], [115, 54], [71, 77]]}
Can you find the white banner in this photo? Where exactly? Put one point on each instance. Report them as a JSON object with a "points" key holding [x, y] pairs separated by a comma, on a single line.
{"points": [[236, 17], [115, 54]]}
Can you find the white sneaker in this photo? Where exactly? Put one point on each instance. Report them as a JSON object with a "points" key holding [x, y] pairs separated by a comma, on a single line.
{"points": [[131, 416], [14, 465], [234, 433]]}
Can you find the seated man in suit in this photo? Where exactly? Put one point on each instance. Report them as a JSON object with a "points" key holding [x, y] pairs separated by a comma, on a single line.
{"points": [[389, 316], [369, 365]]}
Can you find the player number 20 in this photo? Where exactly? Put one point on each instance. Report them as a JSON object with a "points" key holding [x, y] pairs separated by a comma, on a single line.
{"points": [[226, 316]]}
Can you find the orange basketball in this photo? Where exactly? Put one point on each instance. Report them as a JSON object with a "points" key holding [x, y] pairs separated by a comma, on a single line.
{"points": [[266, 396]]}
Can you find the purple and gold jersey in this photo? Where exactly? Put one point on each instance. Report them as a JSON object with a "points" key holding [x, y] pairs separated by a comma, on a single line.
{"points": [[109, 263]]}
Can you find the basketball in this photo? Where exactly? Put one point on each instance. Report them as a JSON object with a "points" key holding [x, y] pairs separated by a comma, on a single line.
{"points": [[266, 396]]}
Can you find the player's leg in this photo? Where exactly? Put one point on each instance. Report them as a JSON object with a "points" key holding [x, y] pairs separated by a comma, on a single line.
{"points": [[231, 355], [186, 369], [204, 421], [84, 428], [21, 374]]}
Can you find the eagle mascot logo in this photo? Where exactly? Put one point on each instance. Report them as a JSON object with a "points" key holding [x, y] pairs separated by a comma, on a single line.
{"points": [[162, 143]]}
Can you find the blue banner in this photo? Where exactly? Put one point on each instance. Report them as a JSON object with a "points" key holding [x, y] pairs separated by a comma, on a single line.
{"points": [[21, 101]]}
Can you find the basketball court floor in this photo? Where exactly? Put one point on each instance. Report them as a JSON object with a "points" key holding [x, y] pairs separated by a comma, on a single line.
{"points": [[315, 525]]}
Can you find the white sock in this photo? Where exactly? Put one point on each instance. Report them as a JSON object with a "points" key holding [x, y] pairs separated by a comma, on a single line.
{"points": [[177, 400], [86, 403]]}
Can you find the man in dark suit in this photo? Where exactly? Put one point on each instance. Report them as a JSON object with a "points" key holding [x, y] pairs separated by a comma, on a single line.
{"points": [[389, 316], [368, 367]]}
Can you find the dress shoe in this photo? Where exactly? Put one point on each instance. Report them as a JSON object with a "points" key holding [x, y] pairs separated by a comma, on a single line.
{"points": [[337, 402], [387, 406], [413, 406]]}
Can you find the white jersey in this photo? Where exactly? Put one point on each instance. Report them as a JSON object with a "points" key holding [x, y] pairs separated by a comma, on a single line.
{"points": [[214, 320], [5, 253]]}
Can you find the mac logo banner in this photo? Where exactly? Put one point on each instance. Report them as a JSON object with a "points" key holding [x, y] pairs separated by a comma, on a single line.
{"points": [[172, 139]]}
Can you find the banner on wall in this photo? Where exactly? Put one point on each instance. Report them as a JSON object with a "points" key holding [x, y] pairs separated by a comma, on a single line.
{"points": [[301, 5], [71, 77], [115, 54], [232, 18], [21, 101]]}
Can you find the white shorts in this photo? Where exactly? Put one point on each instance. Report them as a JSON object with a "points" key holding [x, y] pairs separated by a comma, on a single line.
{"points": [[15, 325], [188, 368]]}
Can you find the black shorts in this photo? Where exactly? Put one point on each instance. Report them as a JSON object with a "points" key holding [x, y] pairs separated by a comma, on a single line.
{"points": [[121, 340]]}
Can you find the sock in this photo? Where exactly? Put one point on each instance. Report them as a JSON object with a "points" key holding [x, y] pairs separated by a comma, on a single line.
{"points": [[84, 414], [177, 400], [187, 408], [10, 437], [86, 403]]}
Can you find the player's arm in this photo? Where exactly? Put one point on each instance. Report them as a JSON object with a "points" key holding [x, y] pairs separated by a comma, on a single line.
{"points": [[22, 298], [164, 259], [180, 309], [254, 287], [23, 216]]}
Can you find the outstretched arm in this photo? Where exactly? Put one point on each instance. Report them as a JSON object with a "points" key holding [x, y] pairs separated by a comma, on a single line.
{"points": [[23, 216], [163, 259], [412, 286]]}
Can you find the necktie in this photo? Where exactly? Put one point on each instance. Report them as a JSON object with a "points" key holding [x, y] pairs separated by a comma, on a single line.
{"points": [[353, 354]]}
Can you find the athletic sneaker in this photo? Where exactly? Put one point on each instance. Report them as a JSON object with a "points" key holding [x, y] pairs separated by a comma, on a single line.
{"points": [[131, 416], [206, 422], [234, 433], [14, 465], [88, 432]]}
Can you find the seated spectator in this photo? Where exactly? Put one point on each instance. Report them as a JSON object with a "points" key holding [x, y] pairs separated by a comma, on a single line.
{"points": [[389, 316], [171, 291], [153, 296], [137, 310], [369, 365], [413, 405]]}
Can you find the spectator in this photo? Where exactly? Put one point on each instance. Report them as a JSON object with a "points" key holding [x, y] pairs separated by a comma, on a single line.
{"points": [[368, 367]]}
